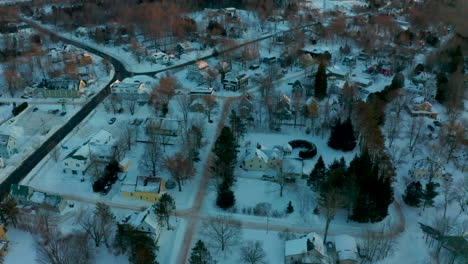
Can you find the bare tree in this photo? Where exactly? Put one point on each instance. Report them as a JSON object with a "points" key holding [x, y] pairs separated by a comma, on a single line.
{"points": [[184, 104], [115, 103], [60, 249], [222, 232], [253, 253], [462, 194], [376, 246], [414, 132], [151, 158], [128, 137], [99, 225], [330, 201], [392, 125], [131, 102], [180, 167], [448, 192], [210, 104]]}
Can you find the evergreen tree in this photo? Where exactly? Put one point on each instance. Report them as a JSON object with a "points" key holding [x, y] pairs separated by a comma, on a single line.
{"points": [[321, 82], [413, 194], [442, 87], [139, 246], [319, 172], [342, 136], [163, 209], [398, 81], [373, 193], [290, 208], [200, 254], [225, 147], [429, 194], [226, 198]]}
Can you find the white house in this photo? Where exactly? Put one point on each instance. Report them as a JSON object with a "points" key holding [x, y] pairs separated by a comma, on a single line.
{"points": [[79, 159], [308, 249], [264, 158], [119, 87], [7, 146], [159, 57], [146, 222], [346, 248]]}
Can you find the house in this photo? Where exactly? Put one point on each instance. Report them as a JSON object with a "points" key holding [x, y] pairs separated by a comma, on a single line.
{"points": [[337, 72], [234, 83], [346, 248], [7, 146], [202, 91], [198, 72], [183, 47], [308, 249], [61, 88], [28, 196], [159, 57], [119, 87], [147, 189], [77, 161], [297, 88], [3, 241], [263, 158], [284, 109], [51, 202], [426, 168], [146, 222], [20, 192], [420, 107]]}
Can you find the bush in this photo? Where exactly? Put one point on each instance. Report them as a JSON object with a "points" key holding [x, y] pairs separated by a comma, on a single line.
{"points": [[262, 209], [20, 108], [290, 208], [109, 177]]}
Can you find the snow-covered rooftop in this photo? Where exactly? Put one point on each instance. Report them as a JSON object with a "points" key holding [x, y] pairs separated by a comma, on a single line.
{"points": [[346, 247], [299, 246]]}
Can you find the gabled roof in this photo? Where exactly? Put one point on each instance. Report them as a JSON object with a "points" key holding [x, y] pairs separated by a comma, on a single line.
{"points": [[17, 190], [299, 246], [346, 247]]}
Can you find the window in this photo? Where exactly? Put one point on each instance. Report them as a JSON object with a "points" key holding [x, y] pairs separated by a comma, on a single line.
{"points": [[66, 163], [77, 165], [260, 166], [141, 197], [74, 171], [250, 165], [131, 194]]}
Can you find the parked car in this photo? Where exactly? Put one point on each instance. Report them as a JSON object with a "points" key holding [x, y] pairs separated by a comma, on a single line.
{"points": [[35, 109], [24, 96], [254, 66], [11, 121], [63, 113], [62, 101], [170, 184], [112, 121], [53, 112], [437, 123]]}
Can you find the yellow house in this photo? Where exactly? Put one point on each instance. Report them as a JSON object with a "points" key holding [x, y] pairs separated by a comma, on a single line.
{"points": [[147, 189], [263, 159], [3, 241]]}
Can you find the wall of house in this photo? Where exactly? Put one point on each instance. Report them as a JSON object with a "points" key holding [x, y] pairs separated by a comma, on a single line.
{"points": [[144, 196], [255, 163], [60, 93]]}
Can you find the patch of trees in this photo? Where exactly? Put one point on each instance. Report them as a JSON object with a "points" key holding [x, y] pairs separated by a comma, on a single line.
{"points": [[321, 82], [342, 136], [215, 28], [305, 154], [200, 254], [104, 183], [364, 187], [225, 151], [137, 245]]}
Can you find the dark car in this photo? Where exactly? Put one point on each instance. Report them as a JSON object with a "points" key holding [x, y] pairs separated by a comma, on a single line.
{"points": [[112, 121], [63, 113], [431, 128], [35, 109], [437, 123]]}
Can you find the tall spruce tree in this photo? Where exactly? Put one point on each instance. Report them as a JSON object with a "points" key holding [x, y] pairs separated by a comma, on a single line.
{"points": [[429, 194], [200, 254], [342, 136], [318, 174], [413, 194], [163, 209], [225, 147], [442, 87], [226, 198], [321, 82]]}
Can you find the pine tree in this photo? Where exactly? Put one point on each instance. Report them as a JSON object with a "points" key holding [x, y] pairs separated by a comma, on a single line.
{"points": [[342, 136], [225, 147], [163, 208], [319, 172], [429, 194], [226, 198], [200, 254], [290, 208], [442, 88], [321, 82], [413, 194]]}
